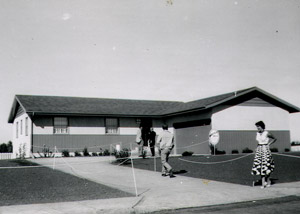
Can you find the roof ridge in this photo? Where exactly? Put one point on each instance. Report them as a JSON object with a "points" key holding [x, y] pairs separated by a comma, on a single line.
{"points": [[98, 98]]}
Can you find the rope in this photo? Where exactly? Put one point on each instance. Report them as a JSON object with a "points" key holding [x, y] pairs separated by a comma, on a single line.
{"points": [[215, 162], [292, 156], [106, 145], [192, 145], [81, 148]]}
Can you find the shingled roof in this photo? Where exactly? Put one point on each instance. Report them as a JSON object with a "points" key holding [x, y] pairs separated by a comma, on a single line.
{"points": [[56, 105]]}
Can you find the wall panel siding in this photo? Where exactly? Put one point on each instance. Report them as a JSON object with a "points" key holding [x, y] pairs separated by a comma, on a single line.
{"points": [[193, 139], [244, 118], [239, 140], [78, 142], [86, 122]]}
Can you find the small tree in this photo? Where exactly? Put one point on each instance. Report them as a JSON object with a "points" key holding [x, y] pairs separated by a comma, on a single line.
{"points": [[3, 148], [9, 146], [22, 151]]}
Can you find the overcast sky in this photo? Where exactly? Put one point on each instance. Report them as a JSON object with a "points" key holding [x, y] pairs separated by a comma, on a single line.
{"points": [[148, 49]]}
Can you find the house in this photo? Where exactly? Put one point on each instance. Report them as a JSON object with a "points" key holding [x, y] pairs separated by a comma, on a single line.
{"points": [[73, 123]]}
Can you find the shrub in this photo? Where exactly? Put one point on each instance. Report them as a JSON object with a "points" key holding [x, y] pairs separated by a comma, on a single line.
{"points": [[295, 143], [274, 150], [286, 150], [187, 153], [6, 148], [101, 152], [94, 154], [121, 155], [77, 154], [3, 148], [235, 151], [106, 152], [220, 152], [247, 150], [65, 153], [46, 152], [85, 152]]}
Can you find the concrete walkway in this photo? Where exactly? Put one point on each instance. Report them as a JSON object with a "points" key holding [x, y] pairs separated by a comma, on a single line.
{"points": [[153, 192]]}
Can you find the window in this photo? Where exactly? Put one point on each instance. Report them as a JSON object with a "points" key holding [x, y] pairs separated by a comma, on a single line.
{"points": [[26, 126], [111, 126], [17, 129], [60, 125], [21, 127]]}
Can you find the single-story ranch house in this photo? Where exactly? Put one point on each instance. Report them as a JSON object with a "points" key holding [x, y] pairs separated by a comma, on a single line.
{"points": [[74, 123]]}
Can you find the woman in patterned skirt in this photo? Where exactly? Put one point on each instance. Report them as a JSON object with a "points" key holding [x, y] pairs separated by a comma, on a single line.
{"points": [[263, 164]]}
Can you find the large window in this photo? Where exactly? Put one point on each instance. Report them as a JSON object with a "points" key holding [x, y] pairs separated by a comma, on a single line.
{"points": [[111, 126], [60, 125], [17, 129], [21, 127]]}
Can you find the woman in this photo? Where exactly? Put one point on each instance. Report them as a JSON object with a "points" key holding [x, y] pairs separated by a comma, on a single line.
{"points": [[263, 164]]}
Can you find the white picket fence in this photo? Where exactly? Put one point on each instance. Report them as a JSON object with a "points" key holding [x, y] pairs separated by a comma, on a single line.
{"points": [[5, 156]]}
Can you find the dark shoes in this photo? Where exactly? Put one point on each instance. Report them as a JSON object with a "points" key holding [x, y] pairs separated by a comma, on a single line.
{"points": [[170, 175]]}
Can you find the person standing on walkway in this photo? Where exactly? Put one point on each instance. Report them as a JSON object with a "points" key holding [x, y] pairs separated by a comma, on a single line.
{"points": [[166, 143], [152, 136], [263, 163], [139, 141]]}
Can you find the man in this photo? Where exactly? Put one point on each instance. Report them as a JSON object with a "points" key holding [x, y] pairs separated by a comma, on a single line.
{"points": [[139, 141], [152, 136], [166, 143]]}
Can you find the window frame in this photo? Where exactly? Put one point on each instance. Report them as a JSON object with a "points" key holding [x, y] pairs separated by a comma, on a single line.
{"points": [[60, 129], [21, 127], [112, 129], [26, 126], [17, 129]]}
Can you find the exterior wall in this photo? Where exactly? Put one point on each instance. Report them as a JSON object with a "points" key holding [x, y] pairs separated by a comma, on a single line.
{"points": [[86, 132], [239, 140], [188, 117], [74, 143], [21, 136], [245, 117], [237, 127], [193, 139]]}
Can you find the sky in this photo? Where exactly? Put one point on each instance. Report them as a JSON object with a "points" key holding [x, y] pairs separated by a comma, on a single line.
{"points": [[174, 50]]}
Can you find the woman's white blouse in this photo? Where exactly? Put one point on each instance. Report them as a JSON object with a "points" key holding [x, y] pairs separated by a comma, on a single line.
{"points": [[262, 138]]}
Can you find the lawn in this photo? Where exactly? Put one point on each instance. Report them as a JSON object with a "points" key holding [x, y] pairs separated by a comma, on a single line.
{"points": [[44, 185], [227, 168]]}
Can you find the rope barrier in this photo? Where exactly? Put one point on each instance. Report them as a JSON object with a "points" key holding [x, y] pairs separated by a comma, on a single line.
{"points": [[108, 145], [89, 147], [218, 162], [192, 145], [292, 156]]}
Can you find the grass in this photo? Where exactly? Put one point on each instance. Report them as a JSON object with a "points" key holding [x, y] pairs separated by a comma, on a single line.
{"points": [[44, 185], [238, 171]]}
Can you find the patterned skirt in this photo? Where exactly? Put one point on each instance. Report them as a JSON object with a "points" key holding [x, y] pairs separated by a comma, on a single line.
{"points": [[263, 163]]}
